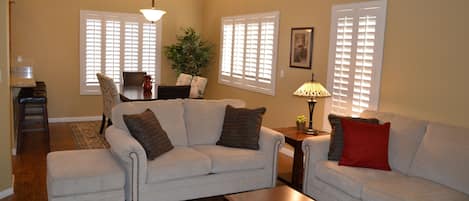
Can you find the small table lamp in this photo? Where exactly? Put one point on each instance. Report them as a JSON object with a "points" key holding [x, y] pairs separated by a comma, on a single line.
{"points": [[312, 90]]}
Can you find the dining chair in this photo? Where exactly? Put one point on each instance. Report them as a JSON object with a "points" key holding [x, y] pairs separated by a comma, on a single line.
{"points": [[173, 92], [133, 78], [110, 98]]}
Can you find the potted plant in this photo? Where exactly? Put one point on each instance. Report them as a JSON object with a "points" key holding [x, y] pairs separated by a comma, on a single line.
{"points": [[188, 57], [300, 122], [190, 54]]}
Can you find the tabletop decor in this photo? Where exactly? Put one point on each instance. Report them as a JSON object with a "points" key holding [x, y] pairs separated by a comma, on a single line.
{"points": [[300, 122], [312, 90], [301, 47]]}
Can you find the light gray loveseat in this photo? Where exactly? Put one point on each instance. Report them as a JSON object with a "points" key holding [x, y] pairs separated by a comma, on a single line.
{"points": [[196, 167], [429, 161]]}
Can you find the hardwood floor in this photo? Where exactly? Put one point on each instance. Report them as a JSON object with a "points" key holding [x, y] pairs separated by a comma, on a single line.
{"points": [[29, 167]]}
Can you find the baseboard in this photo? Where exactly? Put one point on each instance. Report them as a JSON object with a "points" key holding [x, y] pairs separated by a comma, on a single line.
{"points": [[5, 193], [74, 119], [287, 152]]}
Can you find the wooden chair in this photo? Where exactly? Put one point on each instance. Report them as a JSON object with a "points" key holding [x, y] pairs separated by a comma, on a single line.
{"points": [[133, 78], [110, 98], [172, 92]]}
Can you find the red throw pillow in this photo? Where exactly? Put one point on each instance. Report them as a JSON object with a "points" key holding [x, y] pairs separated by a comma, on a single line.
{"points": [[365, 145]]}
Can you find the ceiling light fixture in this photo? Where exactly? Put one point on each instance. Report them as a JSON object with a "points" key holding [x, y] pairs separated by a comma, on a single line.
{"points": [[152, 14]]}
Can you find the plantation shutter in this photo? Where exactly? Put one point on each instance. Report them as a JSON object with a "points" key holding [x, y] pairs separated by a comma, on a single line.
{"points": [[115, 42], [248, 51], [112, 50], [355, 57], [92, 50]]}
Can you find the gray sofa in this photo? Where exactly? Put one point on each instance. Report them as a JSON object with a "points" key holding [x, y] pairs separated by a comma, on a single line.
{"points": [[196, 167], [429, 161]]}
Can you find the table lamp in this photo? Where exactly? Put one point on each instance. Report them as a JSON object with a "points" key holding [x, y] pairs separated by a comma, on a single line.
{"points": [[312, 90]]}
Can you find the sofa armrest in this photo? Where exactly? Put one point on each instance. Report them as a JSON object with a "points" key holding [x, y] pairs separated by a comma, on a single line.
{"points": [[270, 142], [315, 149], [132, 157]]}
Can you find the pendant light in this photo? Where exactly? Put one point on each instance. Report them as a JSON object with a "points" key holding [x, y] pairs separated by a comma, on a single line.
{"points": [[152, 14]]}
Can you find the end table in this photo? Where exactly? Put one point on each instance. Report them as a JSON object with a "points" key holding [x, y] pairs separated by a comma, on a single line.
{"points": [[295, 138]]}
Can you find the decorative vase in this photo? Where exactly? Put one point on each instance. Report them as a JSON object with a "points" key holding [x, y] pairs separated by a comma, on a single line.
{"points": [[300, 126], [147, 86]]}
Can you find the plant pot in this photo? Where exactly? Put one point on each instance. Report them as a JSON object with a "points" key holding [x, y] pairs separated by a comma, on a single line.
{"points": [[300, 126]]}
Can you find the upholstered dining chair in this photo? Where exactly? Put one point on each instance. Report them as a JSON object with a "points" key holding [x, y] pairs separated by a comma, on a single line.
{"points": [[110, 98], [133, 78]]}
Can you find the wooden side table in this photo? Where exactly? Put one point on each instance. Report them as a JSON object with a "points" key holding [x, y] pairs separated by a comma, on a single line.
{"points": [[295, 138]]}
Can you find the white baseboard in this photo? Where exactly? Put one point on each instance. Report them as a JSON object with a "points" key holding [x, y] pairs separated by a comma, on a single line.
{"points": [[287, 152], [74, 119], [7, 192]]}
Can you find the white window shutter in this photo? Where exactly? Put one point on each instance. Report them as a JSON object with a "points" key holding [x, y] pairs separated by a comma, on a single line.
{"points": [[112, 50], [355, 57], [149, 49], [92, 60], [111, 43], [131, 46], [248, 52]]}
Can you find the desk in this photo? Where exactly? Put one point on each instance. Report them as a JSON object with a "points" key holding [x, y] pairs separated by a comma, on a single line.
{"points": [[133, 93], [295, 138]]}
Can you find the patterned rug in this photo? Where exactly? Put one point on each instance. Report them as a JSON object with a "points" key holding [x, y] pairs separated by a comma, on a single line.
{"points": [[86, 135]]}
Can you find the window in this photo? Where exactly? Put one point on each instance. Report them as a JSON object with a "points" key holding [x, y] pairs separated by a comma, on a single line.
{"points": [[355, 57], [111, 43], [249, 52]]}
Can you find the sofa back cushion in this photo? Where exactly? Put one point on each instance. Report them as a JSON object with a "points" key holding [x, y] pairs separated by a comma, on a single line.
{"points": [[443, 156], [204, 119], [170, 114], [404, 138]]}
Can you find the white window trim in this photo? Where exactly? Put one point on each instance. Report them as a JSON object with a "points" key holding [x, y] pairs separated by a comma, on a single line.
{"points": [[242, 84], [95, 90], [378, 61]]}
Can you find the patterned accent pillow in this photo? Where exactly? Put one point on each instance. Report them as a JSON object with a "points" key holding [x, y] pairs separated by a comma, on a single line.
{"points": [[241, 127], [146, 129], [336, 145]]}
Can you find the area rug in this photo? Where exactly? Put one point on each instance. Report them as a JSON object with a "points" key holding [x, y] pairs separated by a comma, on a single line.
{"points": [[86, 135]]}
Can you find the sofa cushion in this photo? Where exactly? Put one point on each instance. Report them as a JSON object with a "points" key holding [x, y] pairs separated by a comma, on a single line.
{"points": [[404, 138], [170, 114], [337, 134], [225, 159], [181, 162], [83, 171], [443, 156], [241, 127], [204, 119], [365, 145], [146, 129], [409, 189], [350, 179]]}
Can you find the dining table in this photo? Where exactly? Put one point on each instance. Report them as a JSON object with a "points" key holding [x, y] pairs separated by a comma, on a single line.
{"points": [[136, 93]]}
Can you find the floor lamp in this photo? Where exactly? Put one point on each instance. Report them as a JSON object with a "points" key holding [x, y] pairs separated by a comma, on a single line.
{"points": [[312, 90]]}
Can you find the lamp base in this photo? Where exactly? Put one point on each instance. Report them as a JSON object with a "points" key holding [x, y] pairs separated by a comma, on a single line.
{"points": [[311, 131]]}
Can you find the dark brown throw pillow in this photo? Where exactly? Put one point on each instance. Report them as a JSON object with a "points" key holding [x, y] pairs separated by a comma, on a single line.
{"points": [[336, 145], [241, 127], [146, 129]]}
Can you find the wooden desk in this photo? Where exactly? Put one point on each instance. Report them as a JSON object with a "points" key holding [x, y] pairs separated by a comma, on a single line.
{"points": [[295, 138], [133, 93], [281, 193]]}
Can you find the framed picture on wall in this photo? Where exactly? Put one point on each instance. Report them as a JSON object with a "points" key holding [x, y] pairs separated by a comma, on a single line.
{"points": [[301, 47]]}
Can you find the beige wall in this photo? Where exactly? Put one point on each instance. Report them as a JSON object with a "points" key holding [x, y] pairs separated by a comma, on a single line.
{"points": [[5, 142], [424, 68], [46, 32]]}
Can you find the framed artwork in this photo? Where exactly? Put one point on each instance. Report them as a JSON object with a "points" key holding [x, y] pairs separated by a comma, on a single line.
{"points": [[301, 47]]}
